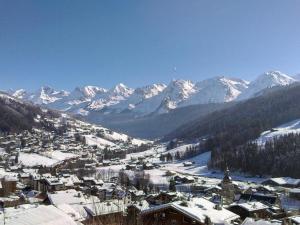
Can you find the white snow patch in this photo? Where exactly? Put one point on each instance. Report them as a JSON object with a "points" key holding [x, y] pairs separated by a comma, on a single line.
{"points": [[287, 128]]}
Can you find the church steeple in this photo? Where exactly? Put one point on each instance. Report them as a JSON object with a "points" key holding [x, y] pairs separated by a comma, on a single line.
{"points": [[226, 178], [228, 190]]}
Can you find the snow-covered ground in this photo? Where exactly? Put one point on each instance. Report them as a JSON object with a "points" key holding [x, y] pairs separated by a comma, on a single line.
{"points": [[114, 136], [48, 159], [198, 168], [287, 128], [152, 154], [158, 175], [33, 159], [58, 155], [99, 142]]}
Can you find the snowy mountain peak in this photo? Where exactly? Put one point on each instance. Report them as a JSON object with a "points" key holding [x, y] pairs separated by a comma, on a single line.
{"points": [[216, 90], [91, 91], [150, 90], [273, 78], [266, 80], [154, 98], [121, 89], [180, 88], [176, 92], [86, 92], [46, 89], [44, 95], [20, 94]]}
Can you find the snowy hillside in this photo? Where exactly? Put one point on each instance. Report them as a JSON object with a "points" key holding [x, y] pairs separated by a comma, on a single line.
{"points": [[103, 137], [287, 128], [17, 115]]}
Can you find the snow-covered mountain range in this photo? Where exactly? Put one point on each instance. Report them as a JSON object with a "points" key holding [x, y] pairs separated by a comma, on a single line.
{"points": [[155, 98]]}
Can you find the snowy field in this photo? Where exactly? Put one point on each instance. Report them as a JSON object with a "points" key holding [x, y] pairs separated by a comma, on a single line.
{"points": [[58, 155], [158, 175], [111, 140], [33, 159], [47, 159], [287, 128], [198, 168], [99, 142]]}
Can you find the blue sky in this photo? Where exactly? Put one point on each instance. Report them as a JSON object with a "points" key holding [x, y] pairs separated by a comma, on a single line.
{"points": [[68, 43]]}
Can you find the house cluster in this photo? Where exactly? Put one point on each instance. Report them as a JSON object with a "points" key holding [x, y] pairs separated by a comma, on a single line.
{"points": [[32, 197], [228, 202], [58, 178]]}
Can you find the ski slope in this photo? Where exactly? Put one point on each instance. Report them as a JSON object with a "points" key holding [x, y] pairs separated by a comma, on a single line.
{"points": [[284, 129]]}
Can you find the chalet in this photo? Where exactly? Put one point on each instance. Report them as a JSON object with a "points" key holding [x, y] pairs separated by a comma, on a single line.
{"points": [[106, 191], [24, 178], [131, 166], [163, 197], [251, 221], [179, 178], [265, 189], [294, 220], [170, 173], [265, 198], [10, 201], [134, 210], [283, 181], [188, 180], [250, 209], [213, 189], [8, 145], [137, 195], [106, 162], [89, 181], [295, 193], [72, 202], [148, 166], [197, 211], [8, 185], [187, 163], [33, 214], [109, 212], [35, 182], [53, 184], [71, 181]]}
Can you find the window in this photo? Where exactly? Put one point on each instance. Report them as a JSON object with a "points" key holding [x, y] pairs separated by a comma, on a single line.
{"points": [[187, 220], [173, 222]]}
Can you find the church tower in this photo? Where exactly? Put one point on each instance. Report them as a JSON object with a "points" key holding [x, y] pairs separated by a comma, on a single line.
{"points": [[227, 187]]}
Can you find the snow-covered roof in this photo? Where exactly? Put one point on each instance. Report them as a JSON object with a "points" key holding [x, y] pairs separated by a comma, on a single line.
{"points": [[102, 208], [141, 205], [71, 201], [69, 197], [250, 221], [295, 191], [251, 206], [199, 209], [295, 219], [54, 181], [285, 181], [32, 215], [70, 181]]}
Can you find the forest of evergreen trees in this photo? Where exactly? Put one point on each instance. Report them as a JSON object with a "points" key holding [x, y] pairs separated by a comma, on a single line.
{"points": [[245, 120], [229, 132], [277, 157], [16, 116]]}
